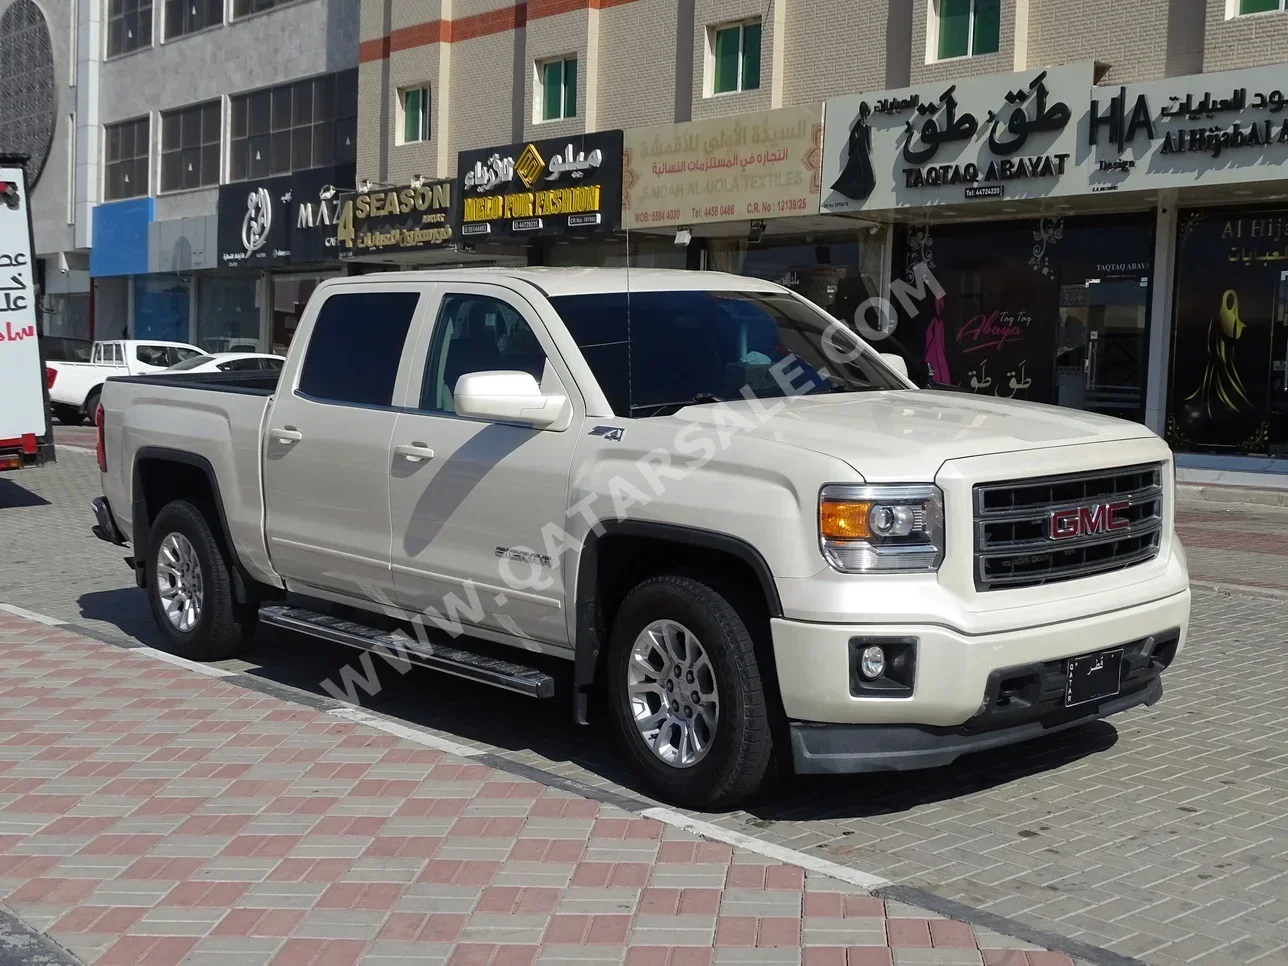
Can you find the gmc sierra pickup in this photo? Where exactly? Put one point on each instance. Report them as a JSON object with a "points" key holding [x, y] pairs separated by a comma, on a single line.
{"points": [[745, 534]]}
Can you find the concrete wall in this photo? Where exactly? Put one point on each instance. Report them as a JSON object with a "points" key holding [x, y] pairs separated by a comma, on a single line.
{"points": [[640, 43], [1139, 41], [1234, 42], [865, 44]]}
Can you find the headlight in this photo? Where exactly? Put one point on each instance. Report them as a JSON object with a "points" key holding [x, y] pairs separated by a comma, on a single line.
{"points": [[881, 529]]}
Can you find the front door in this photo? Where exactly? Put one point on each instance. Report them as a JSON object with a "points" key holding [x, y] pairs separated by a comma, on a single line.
{"points": [[474, 511], [326, 459], [1102, 346]]}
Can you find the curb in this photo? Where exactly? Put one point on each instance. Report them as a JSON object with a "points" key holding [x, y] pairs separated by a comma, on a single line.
{"points": [[875, 885], [1230, 495]]}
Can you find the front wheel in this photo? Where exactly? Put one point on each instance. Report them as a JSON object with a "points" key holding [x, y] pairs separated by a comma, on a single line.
{"points": [[91, 406], [190, 587], [686, 693]]}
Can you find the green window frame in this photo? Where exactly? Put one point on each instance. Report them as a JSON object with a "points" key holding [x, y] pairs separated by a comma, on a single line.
{"points": [[559, 89], [1260, 6], [736, 57], [969, 28], [415, 110]]}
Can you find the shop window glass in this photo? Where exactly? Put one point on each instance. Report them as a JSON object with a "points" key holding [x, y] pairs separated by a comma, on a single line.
{"points": [[736, 56], [125, 162], [475, 333], [161, 307], [228, 313], [291, 294], [356, 347], [305, 124]]}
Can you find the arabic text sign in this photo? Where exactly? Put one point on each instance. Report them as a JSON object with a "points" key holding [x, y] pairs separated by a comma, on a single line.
{"points": [[22, 394], [1005, 136], [1222, 128], [391, 220], [754, 166], [552, 187]]}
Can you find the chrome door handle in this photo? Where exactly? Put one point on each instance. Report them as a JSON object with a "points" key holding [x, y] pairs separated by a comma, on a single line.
{"points": [[414, 451], [286, 435]]}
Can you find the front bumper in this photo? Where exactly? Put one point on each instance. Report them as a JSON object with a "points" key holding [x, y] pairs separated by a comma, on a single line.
{"points": [[971, 692]]}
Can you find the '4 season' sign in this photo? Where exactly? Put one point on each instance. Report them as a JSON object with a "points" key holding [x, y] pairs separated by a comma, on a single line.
{"points": [[390, 221], [552, 187]]}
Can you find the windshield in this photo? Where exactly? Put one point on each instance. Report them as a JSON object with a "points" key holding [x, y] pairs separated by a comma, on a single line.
{"points": [[191, 363], [685, 347]]}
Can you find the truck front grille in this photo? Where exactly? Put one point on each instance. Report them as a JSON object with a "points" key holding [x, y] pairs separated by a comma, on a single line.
{"points": [[1040, 531]]}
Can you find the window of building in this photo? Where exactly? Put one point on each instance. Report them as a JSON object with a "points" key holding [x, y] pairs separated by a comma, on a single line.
{"points": [[735, 57], [228, 313], [475, 333], [356, 347], [190, 147], [1260, 6], [189, 16], [558, 82], [413, 102], [244, 8], [129, 26], [307, 124], [968, 28], [125, 163]]}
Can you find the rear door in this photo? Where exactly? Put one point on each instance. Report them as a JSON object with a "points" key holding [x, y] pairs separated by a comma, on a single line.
{"points": [[326, 456]]}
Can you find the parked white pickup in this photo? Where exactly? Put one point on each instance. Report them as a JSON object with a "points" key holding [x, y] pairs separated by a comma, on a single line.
{"points": [[74, 387]]}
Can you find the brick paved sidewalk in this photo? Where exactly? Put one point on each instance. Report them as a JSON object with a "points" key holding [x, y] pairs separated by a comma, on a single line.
{"points": [[152, 815]]}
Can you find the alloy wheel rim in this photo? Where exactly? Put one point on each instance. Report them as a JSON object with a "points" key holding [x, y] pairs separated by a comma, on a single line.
{"points": [[673, 696], [179, 582]]}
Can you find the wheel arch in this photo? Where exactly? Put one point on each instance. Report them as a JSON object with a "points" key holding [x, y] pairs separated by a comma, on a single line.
{"points": [[597, 598]]}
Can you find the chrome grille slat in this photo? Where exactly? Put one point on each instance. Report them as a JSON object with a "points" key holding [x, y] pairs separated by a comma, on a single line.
{"points": [[1013, 542]]}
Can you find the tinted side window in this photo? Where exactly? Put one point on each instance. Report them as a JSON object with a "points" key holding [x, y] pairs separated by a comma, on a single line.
{"points": [[239, 365], [476, 333], [355, 347]]}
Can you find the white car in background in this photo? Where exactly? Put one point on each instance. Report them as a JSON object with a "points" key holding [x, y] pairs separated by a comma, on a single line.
{"points": [[229, 362], [74, 387]]}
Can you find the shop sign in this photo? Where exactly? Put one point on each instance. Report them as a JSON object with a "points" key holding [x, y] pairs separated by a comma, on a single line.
{"points": [[1008, 136], [1223, 128], [749, 167], [559, 186], [388, 221], [289, 219]]}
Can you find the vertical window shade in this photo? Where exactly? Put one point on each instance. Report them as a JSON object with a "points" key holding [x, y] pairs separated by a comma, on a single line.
{"points": [[552, 90], [751, 57], [569, 88], [954, 28], [726, 56], [988, 27]]}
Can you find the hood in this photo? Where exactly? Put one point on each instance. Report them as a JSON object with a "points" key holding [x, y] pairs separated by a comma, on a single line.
{"points": [[908, 435]]}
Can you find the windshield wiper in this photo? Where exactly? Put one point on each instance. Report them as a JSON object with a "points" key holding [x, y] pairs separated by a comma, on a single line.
{"points": [[699, 399]]}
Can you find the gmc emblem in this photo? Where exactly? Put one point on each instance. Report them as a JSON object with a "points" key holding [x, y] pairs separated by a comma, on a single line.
{"points": [[1083, 521]]}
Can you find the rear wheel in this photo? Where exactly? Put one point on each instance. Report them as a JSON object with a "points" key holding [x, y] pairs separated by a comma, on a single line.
{"points": [[91, 405], [190, 587], [686, 693]]}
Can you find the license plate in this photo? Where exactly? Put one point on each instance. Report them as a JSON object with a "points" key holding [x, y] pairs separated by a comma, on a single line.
{"points": [[1093, 677]]}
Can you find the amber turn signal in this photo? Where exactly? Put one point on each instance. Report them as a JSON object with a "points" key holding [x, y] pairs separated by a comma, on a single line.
{"points": [[843, 520]]}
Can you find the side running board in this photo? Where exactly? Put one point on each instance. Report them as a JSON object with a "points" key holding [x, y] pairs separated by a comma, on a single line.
{"points": [[436, 657]]}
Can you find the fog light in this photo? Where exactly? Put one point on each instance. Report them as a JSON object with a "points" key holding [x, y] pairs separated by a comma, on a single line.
{"points": [[872, 663]]}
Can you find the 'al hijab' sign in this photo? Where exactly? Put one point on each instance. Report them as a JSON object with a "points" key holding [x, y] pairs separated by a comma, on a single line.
{"points": [[1004, 136], [1224, 128], [552, 187]]}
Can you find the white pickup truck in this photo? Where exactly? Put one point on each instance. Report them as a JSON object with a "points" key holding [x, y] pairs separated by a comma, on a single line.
{"points": [[739, 531], [75, 387]]}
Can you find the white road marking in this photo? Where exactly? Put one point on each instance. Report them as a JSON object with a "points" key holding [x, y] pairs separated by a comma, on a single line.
{"points": [[358, 716], [769, 850], [31, 615]]}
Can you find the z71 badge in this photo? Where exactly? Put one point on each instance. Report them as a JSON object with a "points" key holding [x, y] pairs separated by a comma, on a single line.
{"points": [[615, 433]]}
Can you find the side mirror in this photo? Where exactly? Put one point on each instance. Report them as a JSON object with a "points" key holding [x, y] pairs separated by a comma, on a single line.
{"points": [[895, 362], [507, 396]]}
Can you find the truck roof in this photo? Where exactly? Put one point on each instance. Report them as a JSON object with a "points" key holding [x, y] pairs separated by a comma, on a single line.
{"points": [[580, 281]]}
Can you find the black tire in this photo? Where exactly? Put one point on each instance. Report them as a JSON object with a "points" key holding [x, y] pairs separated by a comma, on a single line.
{"points": [[223, 626], [91, 405], [740, 755]]}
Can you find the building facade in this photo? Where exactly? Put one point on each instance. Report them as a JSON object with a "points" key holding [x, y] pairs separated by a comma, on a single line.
{"points": [[1097, 188], [226, 135]]}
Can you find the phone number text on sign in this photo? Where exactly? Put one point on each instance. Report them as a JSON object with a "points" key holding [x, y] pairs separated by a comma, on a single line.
{"points": [[670, 216]]}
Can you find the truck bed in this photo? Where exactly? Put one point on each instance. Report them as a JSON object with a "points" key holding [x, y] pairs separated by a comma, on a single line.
{"points": [[213, 421]]}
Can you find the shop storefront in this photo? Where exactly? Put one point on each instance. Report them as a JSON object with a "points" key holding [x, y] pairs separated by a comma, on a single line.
{"points": [[277, 241], [556, 201], [741, 195], [401, 226]]}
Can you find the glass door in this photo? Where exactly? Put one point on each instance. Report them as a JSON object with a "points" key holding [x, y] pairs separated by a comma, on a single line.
{"points": [[1102, 346]]}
